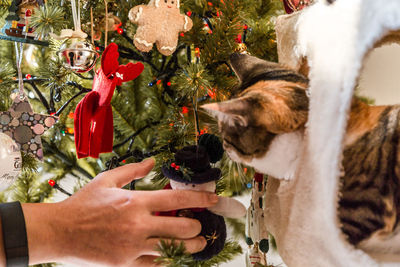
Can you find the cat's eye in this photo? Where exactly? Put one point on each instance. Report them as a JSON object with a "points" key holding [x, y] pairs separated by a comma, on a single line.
{"points": [[172, 2]]}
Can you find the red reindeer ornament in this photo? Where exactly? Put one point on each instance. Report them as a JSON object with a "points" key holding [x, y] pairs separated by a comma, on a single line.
{"points": [[93, 115]]}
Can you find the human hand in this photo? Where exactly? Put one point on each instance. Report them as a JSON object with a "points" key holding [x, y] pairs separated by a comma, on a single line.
{"points": [[105, 225]]}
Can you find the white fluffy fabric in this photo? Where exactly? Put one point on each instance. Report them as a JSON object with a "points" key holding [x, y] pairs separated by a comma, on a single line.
{"points": [[302, 213]]}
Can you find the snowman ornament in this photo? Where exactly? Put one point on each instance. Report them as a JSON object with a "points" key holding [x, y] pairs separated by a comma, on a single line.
{"points": [[191, 170]]}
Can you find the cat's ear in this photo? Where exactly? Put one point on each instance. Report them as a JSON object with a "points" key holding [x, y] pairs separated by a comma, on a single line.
{"points": [[231, 112], [246, 66]]}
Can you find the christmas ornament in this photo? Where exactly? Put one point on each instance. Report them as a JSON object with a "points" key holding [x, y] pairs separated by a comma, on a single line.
{"points": [[78, 55], [113, 23], [241, 48], [296, 5], [69, 33], [213, 146], [256, 232], [11, 161], [17, 21], [93, 116], [191, 170], [24, 126], [159, 22]]}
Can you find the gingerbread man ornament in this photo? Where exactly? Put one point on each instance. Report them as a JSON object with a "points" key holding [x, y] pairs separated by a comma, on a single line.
{"points": [[159, 22]]}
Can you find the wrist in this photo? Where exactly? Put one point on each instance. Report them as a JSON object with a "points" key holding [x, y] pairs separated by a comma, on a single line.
{"points": [[41, 227]]}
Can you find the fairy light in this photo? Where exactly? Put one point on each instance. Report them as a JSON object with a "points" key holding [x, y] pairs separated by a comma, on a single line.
{"points": [[53, 184]]}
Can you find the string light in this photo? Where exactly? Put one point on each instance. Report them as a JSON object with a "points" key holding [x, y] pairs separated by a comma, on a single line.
{"points": [[185, 110], [53, 184]]}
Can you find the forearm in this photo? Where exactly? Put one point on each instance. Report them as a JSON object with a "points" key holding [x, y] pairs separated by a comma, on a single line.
{"points": [[44, 240]]}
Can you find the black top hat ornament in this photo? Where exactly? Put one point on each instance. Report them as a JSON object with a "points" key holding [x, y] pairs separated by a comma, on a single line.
{"points": [[192, 164]]}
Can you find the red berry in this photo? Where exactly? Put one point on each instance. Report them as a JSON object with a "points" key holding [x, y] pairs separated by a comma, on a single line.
{"points": [[210, 4], [97, 48], [28, 76], [169, 83], [182, 34], [189, 13], [52, 183], [173, 165], [177, 168], [120, 31]]}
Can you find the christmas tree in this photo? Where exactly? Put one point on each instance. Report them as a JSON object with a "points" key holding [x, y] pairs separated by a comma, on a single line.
{"points": [[155, 114]]}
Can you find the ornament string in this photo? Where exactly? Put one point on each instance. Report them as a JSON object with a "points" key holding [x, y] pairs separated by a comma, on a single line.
{"points": [[91, 25], [18, 56], [76, 15], [106, 25]]}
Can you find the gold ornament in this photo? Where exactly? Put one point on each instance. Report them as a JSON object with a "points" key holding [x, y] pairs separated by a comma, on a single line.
{"points": [[241, 48]]}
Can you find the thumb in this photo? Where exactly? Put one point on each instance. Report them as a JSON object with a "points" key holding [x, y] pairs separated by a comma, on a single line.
{"points": [[121, 176]]}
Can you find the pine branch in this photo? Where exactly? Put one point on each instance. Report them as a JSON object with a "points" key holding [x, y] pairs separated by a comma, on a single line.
{"points": [[47, 19], [132, 137], [82, 90], [42, 99], [65, 159]]}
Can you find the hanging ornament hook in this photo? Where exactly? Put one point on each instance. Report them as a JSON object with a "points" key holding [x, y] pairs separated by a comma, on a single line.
{"points": [[77, 32]]}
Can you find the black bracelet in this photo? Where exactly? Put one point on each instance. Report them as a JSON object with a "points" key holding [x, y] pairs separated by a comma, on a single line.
{"points": [[14, 234]]}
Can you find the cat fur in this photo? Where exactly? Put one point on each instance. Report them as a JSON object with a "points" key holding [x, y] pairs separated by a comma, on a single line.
{"points": [[263, 126]]}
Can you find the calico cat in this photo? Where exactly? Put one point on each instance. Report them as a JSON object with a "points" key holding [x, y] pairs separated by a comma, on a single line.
{"points": [[263, 126]]}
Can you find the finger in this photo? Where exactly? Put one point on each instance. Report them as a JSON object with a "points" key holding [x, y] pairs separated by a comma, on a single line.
{"points": [[146, 261], [192, 245], [121, 176], [166, 200], [174, 227]]}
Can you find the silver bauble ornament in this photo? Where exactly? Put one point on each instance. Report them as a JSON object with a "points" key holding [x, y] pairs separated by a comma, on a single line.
{"points": [[11, 161], [78, 55]]}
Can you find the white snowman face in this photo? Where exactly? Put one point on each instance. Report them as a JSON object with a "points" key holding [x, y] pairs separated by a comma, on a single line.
{"points": [[207, 187]]}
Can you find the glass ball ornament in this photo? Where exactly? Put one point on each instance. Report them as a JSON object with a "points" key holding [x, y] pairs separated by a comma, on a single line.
{"points": [[78, 55], [11, 161]]}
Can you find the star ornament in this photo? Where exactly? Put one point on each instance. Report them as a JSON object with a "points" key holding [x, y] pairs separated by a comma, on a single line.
{"points": [[24, 126]]}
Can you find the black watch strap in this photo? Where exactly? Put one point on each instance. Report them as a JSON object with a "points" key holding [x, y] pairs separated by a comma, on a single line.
{"points": [[14, 234]]}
